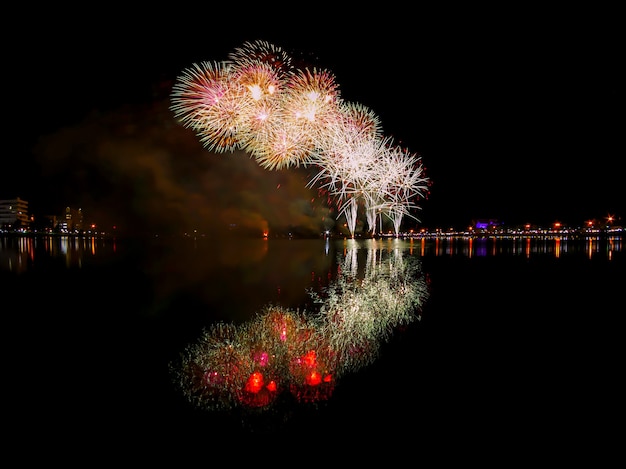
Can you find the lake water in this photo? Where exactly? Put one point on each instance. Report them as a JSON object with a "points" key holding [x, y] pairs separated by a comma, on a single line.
{"points": [[502, 349]]}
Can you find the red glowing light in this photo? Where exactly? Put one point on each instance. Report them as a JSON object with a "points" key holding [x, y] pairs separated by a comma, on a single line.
{"points": [[313, 378], [254, 383], [271, 386]]}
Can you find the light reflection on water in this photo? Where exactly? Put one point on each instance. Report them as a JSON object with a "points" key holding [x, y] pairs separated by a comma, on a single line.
{"points": [[591, 247], [19, 253], [519, 246]]}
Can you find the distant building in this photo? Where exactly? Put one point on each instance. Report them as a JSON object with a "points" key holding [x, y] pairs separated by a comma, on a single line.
{"points": [[14, 214], [72, 220]]}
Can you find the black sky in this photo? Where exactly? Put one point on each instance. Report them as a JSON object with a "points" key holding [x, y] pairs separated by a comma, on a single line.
{"points": [[517, 115]]}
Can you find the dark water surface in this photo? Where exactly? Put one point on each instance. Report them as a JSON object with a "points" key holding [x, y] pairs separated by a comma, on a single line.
{"points": [[519, 352]]}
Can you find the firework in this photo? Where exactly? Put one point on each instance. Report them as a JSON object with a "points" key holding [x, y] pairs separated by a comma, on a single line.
{"points": [[359, 121], [282, 145], [207, 100], [312, 102], [262, 52], [283, 116]]}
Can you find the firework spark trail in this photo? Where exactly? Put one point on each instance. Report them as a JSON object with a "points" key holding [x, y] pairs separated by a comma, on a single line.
{"points": [[261, 102], [206, 100], [263, 52], [283, 116], [350, 165]]}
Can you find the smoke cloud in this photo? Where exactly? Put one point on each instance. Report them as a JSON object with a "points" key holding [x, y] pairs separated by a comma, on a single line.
{"points": [[139, 170]]}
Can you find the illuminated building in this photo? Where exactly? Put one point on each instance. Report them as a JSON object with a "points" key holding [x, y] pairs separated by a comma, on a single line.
{"points": [[72, 221], [486, 224], [14, 214]]}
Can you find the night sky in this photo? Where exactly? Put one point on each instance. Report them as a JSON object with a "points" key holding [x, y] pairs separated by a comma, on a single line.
{"points": [[517, 115]]}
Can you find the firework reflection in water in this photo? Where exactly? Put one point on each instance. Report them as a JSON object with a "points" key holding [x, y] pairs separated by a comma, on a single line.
{"points": [[303, 354]]}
